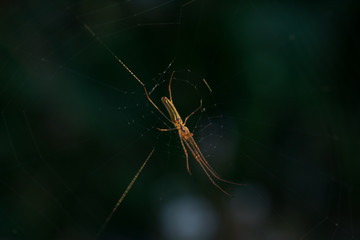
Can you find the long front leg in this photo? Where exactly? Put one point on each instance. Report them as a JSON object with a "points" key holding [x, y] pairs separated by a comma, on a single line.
{"points": [[172, 74]]}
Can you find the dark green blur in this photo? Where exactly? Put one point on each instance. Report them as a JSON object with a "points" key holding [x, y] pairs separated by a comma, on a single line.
{"points": [[75, 126]]}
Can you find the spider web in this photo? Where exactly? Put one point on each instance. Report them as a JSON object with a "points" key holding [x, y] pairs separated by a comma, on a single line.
{"points": [[281, 116]]}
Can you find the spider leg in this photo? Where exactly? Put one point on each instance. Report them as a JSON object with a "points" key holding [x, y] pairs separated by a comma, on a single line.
{"points": [[186, 154], [212, 180], [172, 74], [193, 112], [166, 129], [198, 158], [148, 97]]}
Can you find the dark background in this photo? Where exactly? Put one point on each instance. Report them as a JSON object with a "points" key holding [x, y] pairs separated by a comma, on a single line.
{"points": [[283, 115]]}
